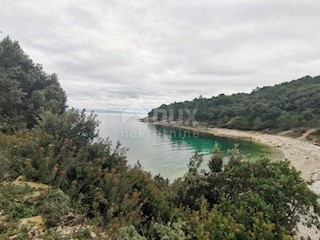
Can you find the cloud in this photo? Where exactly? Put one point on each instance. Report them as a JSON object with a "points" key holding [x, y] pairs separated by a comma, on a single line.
{"points": [[111, 54]]}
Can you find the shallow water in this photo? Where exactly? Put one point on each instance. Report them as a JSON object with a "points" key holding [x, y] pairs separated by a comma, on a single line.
{"points": [[168, 151]]}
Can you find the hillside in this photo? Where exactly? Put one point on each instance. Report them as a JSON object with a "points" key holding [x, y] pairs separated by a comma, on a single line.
{"points": [[285, 106]]}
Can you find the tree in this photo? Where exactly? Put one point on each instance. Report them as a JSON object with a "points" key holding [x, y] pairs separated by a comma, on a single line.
{"points": [[267, 199], [26, 90], [11, 115], [281, 107], [215, 163]]}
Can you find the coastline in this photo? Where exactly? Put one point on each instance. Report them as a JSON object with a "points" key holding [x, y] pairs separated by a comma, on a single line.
{"points": [[302, 154]]}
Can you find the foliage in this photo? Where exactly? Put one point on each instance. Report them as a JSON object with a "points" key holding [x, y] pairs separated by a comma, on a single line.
{"points": [[22, 201], [281, 107], [263, 198], [130, 233], [64, 151], [14, 202], [54, 205], [234, 199], [216, 161], [25, 89], [170, 231]]}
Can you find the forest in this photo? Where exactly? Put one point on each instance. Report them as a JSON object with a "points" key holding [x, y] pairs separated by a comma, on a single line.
{"points": [[290, 105], [88, 187]]}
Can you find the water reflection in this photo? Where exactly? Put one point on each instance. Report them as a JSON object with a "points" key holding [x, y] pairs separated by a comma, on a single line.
{"points": [[205, 145], [162, 150]]}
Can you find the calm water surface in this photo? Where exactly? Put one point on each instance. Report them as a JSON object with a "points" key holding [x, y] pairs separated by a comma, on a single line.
{"points": [[166, 151]]}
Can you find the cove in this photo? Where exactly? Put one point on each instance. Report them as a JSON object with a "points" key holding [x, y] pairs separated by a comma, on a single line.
{"points": [[166, 151]]}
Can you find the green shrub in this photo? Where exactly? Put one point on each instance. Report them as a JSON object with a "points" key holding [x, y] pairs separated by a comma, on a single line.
{"points": [[54, 204], [17, 201]]}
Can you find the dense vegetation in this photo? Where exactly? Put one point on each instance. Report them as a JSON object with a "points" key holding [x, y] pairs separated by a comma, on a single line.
{"points": [[285, 106], [89, 178], [26, 90]]}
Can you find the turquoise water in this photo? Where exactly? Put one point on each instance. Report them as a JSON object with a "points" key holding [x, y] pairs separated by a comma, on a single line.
{"points": [[166, 151]]}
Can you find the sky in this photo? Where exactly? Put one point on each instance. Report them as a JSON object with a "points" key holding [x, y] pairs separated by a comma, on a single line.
{"points": [[130, 54]]}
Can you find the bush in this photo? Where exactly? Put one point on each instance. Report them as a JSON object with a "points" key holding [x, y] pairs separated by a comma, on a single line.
{"points": [[54, 205], [257, 195], [17, 201]]}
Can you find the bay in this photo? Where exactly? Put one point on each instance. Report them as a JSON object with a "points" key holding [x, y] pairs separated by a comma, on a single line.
{"points": [[167, 151]]}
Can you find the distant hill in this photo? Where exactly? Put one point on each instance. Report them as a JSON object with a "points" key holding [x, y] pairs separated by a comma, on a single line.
{"points": [[294, 104]]}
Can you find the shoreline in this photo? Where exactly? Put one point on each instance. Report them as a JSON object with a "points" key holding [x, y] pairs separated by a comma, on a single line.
{"points": [[302, 154]]}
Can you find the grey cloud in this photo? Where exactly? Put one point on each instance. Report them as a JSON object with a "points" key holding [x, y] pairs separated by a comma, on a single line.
{"points": [[111, 54]]}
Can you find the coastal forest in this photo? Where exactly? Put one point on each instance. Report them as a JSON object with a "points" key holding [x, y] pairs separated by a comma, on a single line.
{"points": [[286, 106], [60, 180]]}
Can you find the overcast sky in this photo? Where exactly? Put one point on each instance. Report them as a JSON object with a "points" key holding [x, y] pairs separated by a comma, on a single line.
{"points": [[113, 54]]}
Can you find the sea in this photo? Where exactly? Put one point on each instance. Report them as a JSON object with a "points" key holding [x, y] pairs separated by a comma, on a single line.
{"points": [[165, 151]]}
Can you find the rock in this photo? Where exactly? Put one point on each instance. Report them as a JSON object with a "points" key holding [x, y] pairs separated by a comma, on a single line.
{"points": [[20, 181], [14, 237], [35, 233], [6, 176], [27, 223], [93, 234]]}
